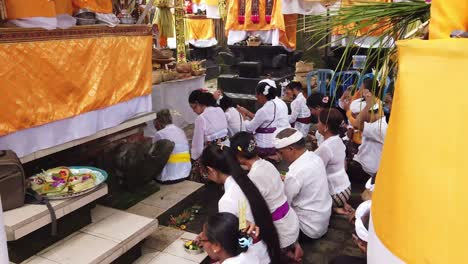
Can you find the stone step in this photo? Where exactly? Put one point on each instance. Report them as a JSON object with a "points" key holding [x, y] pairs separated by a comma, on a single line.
{"points": [[31, 217], [112, 233]]}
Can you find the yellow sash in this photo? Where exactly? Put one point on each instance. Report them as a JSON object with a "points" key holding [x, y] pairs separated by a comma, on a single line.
{"points": [[179, 158]]}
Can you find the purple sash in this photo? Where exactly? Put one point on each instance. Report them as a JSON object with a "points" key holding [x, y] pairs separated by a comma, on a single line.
{"points": [[280, 212], [265, 130]]}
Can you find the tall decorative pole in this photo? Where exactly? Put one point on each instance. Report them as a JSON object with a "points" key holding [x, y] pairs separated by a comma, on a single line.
{"points": [[180, 31]]}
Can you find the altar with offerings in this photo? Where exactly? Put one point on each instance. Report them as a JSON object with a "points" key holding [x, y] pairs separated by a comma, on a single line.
{"points": [[61, 85]]}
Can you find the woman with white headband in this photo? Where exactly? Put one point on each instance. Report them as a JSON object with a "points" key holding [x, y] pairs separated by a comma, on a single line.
{"points": [[283, 118], [264, 123]]}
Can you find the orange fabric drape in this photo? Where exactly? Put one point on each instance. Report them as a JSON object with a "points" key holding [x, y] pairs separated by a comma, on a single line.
{"points": [[447, 16], [100, 6], [63, 7], [376, 29], [50, 80], [278, 21], [17, 9], [200, 29]]}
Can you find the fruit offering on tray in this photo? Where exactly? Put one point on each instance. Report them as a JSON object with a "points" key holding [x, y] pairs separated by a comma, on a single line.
{"points": [[61, 180], [191, 247]]}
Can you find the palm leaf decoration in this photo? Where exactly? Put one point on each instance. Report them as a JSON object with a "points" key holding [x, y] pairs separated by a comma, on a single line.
{"points": [[385, 22]]}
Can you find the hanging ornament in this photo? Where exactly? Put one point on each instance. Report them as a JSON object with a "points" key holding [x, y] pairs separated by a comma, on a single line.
{"points": [[269, 10], [255, 15], [241, 8]]}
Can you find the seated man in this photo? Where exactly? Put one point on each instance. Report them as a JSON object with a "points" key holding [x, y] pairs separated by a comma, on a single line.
{"points": [[178, 164], [305, 184]]}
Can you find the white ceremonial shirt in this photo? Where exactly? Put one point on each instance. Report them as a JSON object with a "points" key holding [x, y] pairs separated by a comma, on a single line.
{"points": [[319, 138], [266, 117], [229, 203], [243, 258], [299, 109], [268, 181], [306, 187], [177, 170], [283, 120], [209, 125], [332, 151], [235, 121], [370, 151]]}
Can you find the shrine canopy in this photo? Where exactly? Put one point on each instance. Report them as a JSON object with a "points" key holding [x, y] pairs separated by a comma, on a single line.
{"points": [[262, 18]]}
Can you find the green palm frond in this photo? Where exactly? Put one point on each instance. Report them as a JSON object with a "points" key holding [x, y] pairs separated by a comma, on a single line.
{"points": [[395, 21]]}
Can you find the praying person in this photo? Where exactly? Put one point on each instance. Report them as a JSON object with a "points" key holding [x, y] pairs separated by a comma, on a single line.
{"points": [[283, 120], [220, 240], [264, 123], [332, 151], [373, 125], [268, 181], [234, 119], [178, 165], [300, 113], [316, 102], [210, 126], [222, 168], [305, 184]]}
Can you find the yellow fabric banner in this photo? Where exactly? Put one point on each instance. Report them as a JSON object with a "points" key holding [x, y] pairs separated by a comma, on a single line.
{"points": [[278, 21], [45, 81], [200, 29], [447, 16], [420, 203]]}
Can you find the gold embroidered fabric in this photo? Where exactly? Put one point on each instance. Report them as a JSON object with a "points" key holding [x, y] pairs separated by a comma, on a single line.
{"points": [[46, 81]]}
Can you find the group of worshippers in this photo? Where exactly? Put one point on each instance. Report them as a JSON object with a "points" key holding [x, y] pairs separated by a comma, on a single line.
{"points": [[238, 149]]}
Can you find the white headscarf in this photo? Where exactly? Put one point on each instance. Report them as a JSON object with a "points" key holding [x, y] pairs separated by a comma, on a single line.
{"points": [[288, 141], [361, 230], [269, 82]]}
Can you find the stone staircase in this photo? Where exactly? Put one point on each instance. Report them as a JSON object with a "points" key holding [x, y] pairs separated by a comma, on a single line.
{"points": [[112, 236]]}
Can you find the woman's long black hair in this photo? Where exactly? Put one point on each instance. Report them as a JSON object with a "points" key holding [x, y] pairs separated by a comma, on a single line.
{"points": [[223, 160], [223, 228]]}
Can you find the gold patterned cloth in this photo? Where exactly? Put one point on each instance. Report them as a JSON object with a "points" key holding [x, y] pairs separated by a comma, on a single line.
{"points": [[52, 78]]}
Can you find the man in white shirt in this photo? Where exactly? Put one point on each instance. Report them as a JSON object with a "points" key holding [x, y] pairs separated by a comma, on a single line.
{"points": [[175, 159], [300, 113], [305, 184]]}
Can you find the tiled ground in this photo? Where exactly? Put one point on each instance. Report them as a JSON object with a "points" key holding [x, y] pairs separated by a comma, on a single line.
{"points": [[166, 244]]}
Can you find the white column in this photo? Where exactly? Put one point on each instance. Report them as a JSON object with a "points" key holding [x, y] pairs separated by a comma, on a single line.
{"points": [[3, 244]]}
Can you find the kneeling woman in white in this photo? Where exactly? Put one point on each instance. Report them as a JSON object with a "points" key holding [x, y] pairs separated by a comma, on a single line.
{"points": [[223, 168], [220, 240], [332, 151], [234, 119], [268, 181], [264, 123], [300, 113]]}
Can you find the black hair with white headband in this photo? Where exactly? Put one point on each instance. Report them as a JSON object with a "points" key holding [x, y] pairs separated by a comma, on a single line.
{"points": [[267, 90]]}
